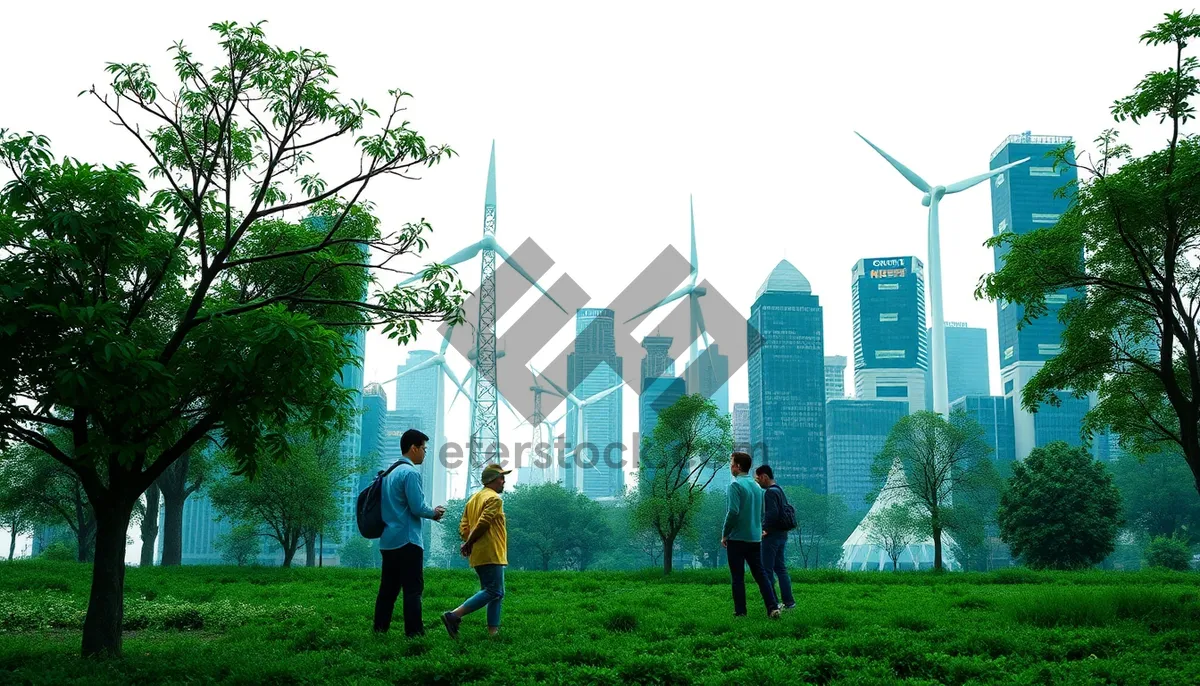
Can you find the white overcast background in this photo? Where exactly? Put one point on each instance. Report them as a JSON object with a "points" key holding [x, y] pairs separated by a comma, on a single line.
{"points": [[607, 117]]}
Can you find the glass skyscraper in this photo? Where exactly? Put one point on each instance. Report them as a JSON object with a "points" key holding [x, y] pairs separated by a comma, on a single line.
{"points": [[593, 368], [786, 369], [995, 415], [890, 357], [419, 398], [967, 369], [1023, 200], [856, 431], [373, 424], [835, 377]]}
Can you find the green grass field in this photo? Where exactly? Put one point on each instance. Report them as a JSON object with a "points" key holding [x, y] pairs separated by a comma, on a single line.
{"points": [[276, 626]]}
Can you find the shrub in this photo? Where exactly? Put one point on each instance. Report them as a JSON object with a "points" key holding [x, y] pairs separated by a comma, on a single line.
{"points": [[1169, 552]]}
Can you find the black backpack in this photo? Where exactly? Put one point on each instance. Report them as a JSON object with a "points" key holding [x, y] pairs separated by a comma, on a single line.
{"points": [[369, 511], [787, 513]]}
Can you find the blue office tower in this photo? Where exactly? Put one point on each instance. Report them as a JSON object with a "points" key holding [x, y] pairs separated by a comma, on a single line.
{"points": [[1023, 200], [593, 368], [967, 368], [856, 431], [995, 414], [374, 403], [350, 449], [890, 354], [786, 370]]}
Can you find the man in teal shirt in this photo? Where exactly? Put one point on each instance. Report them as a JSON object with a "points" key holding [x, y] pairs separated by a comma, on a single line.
{"points": [[742, 536]]}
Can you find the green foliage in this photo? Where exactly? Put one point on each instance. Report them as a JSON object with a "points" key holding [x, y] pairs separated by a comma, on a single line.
{"points": [[286, 500], [61, 551], [690, 442], [1061, 509], [1158, 494], [894, 528], [1169, 552], [272, 625], [42, 490], [1126, 251], [357, 553], [823, 522], [937, 458], [240, 546], [552, 528]]}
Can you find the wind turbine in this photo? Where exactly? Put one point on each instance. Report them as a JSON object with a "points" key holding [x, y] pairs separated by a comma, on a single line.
{"points": [[933, 196], [485, 416], [580, 425], [693, 292]]}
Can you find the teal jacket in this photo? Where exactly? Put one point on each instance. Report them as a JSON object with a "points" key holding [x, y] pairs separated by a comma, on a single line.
{"points": [[744, 520]]}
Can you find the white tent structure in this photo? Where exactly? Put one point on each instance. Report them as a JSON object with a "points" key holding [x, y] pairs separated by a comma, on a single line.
{"points": [[859, 554]]}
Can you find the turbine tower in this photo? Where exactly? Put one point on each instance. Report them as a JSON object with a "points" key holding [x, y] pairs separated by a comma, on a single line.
{"points": [[696, 328], [580, 425], [933, 196], [485, 417]]}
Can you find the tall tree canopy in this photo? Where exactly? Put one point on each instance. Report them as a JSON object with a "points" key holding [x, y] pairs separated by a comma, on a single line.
{"points": [[138, 319], [1132, 335]]}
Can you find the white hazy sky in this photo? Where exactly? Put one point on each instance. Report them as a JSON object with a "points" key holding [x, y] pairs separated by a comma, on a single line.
{"points": [[607, 117]]}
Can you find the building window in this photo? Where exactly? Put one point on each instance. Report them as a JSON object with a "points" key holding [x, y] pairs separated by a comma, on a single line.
{"points": [[1003, 226], [889, 317], [999, 180], [1008, 385], [889, 354], [1008, 352], [1044, 171], [1049, 349], [1043, 218], [889, 286], [891, 391], [1056, 299]]}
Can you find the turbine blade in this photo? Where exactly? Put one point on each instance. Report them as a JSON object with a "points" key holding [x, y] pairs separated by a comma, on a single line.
{"points": [[446, 340], [669, 299], [909, 174], [695, 263], [603, 394], [462, 387], [454, 378], [460, 256], [564, 392], [436, 359], [511, 409], [490, 196], [521, 270], [967, 183]]}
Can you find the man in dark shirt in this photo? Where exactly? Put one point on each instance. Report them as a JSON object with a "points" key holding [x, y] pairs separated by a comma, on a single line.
{"points": [[774, 539]]}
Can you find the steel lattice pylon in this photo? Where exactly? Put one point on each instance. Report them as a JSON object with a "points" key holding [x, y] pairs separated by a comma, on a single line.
{"points": [[485, 416]]}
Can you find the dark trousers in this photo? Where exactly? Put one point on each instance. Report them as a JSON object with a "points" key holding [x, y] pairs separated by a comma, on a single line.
{"points": [[773, 546], [742, 553], [403, 568]]}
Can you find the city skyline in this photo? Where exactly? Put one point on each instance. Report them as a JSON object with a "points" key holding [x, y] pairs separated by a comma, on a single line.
{"points": [[798, 197]]}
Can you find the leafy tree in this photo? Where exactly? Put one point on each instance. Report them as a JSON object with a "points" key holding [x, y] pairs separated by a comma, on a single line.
{"points": [[971, 518], [1061, 509], [705, 535], [447, 541], [288, 497], [550, 527], [61, 551], [1127, 246], [140, 319], [357, 553], [937, 456], [50, 493], [16, 513], [176, 484], [1158, 494], [823, 523], [893, 529], [690, 442], [1169, 552], [593, 536], [240, 545]]}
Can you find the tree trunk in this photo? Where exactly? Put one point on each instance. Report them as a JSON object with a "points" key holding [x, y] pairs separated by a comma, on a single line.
{"points": [[937, 546], [84, 542], [545, 563], [289, 549], [668, 554], [150, 526], [106, 606], [894, 559], [321, 554], [310, 551], [12, 543], [172, 530]]}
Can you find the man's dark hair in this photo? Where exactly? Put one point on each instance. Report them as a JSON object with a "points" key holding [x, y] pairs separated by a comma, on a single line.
{"points": [[743, 462], [410, 438], [765, 469]]}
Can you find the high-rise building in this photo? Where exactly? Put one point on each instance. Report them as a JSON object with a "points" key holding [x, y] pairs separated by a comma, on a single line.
{"points": [[856, 431], [835, 377], [660, 387], [373, 425], [593, 368], [995, 414], [417, 396], [710, 376], [741, 427], [786, 370], [967, 369], [350, 448], [890, 357], [1023, 200]]}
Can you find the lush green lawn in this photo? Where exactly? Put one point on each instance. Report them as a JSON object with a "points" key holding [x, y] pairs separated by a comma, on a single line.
{"points": [[262, 626]]}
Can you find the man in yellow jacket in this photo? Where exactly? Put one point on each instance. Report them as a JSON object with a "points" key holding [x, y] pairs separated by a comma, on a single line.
{"points": [[485, 543]]}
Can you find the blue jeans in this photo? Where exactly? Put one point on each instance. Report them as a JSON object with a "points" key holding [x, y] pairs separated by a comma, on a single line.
{"points": [[491, 593], [773, 545]]}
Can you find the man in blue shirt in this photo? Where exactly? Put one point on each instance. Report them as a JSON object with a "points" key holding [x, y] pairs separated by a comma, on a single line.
{"points": [[743, 535], [403, 507], [775, 535]]}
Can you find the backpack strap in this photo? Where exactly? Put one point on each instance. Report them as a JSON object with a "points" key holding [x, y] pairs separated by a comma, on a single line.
{"points": [[389, 469]]}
